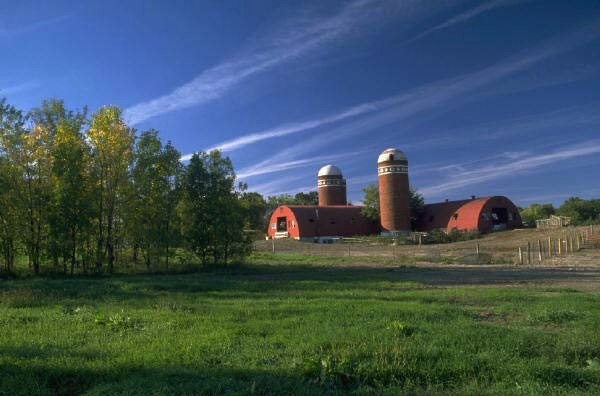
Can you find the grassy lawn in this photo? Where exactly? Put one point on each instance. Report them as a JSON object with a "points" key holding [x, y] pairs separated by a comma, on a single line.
{"points": [[298, 328]]}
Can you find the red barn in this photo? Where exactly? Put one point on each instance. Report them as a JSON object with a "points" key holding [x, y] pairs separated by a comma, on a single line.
{"points": [[302, 222], [481, 214]]}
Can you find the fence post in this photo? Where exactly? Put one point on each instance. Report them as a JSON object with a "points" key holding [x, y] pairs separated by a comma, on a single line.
{"points": [[549, 247], [348, 249], [520, 255], [528, 253], [559, 246], [578, 242], [477, 250], [539, 250], [571, 244], [273, 243], [420, 239]]}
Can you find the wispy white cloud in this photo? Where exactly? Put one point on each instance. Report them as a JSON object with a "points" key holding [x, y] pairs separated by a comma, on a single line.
{"points": [[425, 100], [492, 171], [8, 31], [302, 37], [19, 88], [465, 16], [289, 129], [270, 166]]}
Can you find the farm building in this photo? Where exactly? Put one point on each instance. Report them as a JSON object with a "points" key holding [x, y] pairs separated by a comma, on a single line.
{"points": [[309, 222], [334, 218], [481, 214]]}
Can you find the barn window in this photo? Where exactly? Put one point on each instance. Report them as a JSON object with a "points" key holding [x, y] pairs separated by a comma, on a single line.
{"points": [[510, 216], [455, 216], [311, 220], [353, 220]]}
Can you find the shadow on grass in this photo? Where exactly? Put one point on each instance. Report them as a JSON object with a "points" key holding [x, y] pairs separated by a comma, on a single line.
{"points": [[263, 281], [130, 380]]}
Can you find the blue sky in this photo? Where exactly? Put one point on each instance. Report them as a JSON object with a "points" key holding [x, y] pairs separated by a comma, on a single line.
{"points": [[485, 98]]}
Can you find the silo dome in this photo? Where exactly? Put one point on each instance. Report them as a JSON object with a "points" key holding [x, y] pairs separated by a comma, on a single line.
{"points": [[391, 154], [330, 170]]}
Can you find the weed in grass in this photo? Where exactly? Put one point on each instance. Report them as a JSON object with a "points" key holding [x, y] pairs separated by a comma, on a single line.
{"points": [[554, 317], [401, 329], [117, 322], [593, 364]]}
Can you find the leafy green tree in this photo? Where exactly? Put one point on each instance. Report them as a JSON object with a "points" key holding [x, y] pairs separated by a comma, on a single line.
{"points": [[256, 209], [155, 174], [12, 208], [111, 141], [310, 198], [535, 212], [581, 211], [213, 210], [71, 191], [371, 202]]}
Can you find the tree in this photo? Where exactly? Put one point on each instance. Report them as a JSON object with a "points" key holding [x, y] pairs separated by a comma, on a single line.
{"points": [[256, 209], [581, 211], [371, 202], [155, 175], [12, 208], [310, 198], [536, 212], [212, 211], [71, 192], [112, 146], [372, 211]]}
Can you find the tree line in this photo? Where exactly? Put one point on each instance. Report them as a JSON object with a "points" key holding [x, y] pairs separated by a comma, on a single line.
{"points": [[581, 211], [83, 192]]}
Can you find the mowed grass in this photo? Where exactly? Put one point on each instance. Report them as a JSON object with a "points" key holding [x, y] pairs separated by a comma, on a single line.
{"points": [[292, 329]]}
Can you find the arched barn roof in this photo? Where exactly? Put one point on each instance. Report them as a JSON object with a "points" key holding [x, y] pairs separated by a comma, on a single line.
{"points": [[320, 221], [481, 214]]}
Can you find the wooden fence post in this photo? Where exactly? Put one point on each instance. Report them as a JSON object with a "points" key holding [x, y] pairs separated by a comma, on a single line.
{"points": [[273, 243], [549, 247], [559, 246], [528, 253], [571, 243], [578, 242], [477, 250], [539, 250], [520, 255]]}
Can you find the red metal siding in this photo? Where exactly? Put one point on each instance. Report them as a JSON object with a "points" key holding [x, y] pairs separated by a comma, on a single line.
{"points": [[323, 221], [468, 215]]}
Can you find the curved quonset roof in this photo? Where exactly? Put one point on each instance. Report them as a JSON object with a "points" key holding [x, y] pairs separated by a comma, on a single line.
{"points": [[473, 214], [391, 154], [323, 221], [330, 170]]}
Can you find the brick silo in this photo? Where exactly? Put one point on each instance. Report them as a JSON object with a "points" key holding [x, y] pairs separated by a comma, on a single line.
{"points": [[331, 186], [392, 170]]}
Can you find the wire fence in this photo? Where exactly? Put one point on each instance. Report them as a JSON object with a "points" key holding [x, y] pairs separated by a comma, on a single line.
{"points": [[521, 247]]}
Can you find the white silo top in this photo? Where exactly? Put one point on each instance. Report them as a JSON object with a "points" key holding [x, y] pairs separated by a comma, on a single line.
{"points": [[330, 170], [391, 154]]}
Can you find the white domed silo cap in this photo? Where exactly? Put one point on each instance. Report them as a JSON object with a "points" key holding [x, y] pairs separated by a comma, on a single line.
{"points": [[391, 154], [330, 170]]}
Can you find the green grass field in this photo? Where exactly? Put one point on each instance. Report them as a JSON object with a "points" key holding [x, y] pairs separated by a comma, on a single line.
{"points": [[296, 328]]}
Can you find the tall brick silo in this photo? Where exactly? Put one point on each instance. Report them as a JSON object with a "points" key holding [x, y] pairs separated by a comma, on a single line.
{"points": [[331, 186], [392, 170]]}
